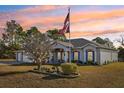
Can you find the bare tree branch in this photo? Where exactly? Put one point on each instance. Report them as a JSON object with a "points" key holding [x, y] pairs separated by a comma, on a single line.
{"points": [[121, 40], [38, 47]]}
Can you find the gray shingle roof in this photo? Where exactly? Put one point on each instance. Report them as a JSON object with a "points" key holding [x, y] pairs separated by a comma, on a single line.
{"points": [[64, 43], [80, 42]]}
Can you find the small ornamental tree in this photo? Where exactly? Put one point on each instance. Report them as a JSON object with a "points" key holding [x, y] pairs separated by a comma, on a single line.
{"points": [[38, 47]]}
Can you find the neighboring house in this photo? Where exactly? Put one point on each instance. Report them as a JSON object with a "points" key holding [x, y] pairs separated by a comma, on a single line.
{"points": [[80, 50]]}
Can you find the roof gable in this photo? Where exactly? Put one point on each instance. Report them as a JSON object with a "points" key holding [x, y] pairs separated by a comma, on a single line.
{"points": [[89, 44]]}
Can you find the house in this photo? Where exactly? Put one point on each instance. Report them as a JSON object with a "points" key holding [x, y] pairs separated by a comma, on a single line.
{"points": [[78, 50]]}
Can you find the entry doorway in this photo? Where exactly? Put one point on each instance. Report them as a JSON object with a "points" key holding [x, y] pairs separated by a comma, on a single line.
{"points": [[58, 55]]}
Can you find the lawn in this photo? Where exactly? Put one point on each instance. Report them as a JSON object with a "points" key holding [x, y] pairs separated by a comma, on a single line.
{"points": [[111, 75]]}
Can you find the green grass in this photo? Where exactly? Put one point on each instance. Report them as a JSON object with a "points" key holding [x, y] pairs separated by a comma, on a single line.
{"points": [[106, 76]]}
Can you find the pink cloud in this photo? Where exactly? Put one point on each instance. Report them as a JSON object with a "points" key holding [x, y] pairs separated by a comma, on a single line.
{"points": [[94, 33], [40, 9], [76, 18], [99, 22]]}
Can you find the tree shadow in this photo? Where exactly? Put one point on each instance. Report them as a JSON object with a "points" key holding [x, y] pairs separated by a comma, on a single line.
{"points": [[12, 63], [13, 73], [51, 77], [54, 77], [24, 64]]}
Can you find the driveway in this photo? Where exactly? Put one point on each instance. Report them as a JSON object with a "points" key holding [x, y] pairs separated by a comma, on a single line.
{"points": [[8, 62]]}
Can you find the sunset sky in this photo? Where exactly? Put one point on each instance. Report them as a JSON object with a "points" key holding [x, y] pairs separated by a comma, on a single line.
{"points": [[86, 21]]}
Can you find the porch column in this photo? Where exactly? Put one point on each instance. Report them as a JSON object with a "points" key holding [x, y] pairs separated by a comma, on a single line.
{"points": [[55, 57], [61, 55], [50, 57], [70, 56], [65, 56], [85, 56]]}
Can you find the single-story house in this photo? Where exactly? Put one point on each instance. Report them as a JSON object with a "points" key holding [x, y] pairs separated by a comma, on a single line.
{"points": [[79, 50]]}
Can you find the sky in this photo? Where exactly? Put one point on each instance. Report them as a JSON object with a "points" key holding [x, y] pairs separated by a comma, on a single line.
{"points": [[87, 21]]}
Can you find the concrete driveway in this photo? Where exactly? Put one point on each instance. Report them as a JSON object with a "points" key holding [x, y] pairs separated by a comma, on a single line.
{"points": [[8, 63]]}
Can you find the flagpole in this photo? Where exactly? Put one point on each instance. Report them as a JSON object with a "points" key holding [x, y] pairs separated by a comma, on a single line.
{"points": [[69, 35], [70, 46]]}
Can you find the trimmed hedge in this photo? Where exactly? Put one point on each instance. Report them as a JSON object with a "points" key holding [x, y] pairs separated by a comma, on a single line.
{"points": [[69, 68]]}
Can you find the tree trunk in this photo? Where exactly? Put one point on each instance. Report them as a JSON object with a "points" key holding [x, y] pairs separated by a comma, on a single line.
{"points": [[39, 67]]}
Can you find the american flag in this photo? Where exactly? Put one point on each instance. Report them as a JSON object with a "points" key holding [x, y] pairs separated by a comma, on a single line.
{"points": [[66, 27]]}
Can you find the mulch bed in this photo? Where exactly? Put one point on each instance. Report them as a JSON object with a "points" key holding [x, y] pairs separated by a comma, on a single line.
{"points": [[56, 74]]}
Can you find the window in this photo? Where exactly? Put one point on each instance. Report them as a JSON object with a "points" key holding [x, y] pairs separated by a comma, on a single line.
{"points": [[76, 55], [90, 56]]}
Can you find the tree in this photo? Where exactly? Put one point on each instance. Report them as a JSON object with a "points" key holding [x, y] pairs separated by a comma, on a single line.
{"points": [[121, 48], [13, 35], [121, 53], [37, 46], [54, 34], [106, 42], [11, 39], [121, 40], [6, 51], [99, 40], [12, 32], [32, 31]]}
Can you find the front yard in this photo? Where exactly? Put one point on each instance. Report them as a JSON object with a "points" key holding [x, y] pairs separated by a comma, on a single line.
{"points": [[111, 75]]}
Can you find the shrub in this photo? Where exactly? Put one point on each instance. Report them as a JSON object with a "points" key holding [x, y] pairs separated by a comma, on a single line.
{"points": [[79, 61], [69, 68], [105, 62], [55, 69], [90, 62], [73, 61], [95, 63], [76, 61], [44, 69], [108, 61]]}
